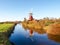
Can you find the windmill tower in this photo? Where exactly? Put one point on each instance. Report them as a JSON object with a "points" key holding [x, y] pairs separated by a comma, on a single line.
{"points": [[30, 15]]}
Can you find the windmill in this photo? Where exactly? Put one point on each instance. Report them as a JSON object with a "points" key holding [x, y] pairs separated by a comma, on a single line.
{"points": [[30, 15]]}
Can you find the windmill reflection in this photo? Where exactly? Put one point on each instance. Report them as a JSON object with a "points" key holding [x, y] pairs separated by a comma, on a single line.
{"points": [[30, 32]]}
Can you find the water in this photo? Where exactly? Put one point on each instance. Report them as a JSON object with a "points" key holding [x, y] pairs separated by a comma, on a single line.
{"points": [[21, 36]]}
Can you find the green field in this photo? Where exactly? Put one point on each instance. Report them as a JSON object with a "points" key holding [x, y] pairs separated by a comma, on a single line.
{"points": [[5, 27]]}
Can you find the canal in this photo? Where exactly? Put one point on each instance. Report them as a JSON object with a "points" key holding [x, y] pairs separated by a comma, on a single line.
{"points": [[22, 36]]}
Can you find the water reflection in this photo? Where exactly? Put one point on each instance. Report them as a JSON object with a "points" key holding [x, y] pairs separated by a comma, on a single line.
{"points": [[39, 31], [28, 36], [31, 32], [55, 38]]}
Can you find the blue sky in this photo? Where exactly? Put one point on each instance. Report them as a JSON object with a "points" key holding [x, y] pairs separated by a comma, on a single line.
{"points": [[11, 10]]}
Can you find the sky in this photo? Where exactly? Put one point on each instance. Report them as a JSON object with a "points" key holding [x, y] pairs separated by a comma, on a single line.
{"points": [[14, 10]]}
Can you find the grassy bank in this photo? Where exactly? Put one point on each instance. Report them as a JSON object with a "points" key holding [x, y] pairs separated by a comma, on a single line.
{"points": [[53, 29], [5, 30], [51, 26], [32, 24], [5, 27]]}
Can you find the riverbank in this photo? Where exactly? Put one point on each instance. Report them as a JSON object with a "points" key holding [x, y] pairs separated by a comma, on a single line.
{"points": [[32, 24], [53, 29], [50, 26], [5, 31]]}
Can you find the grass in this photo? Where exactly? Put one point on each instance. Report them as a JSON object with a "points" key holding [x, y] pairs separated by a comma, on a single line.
{"points": [[5, 27], [32, 24], [48, 25], [53, 29]]}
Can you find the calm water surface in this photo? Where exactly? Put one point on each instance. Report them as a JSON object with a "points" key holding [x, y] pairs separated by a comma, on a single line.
{"points": [[21, 36]]}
